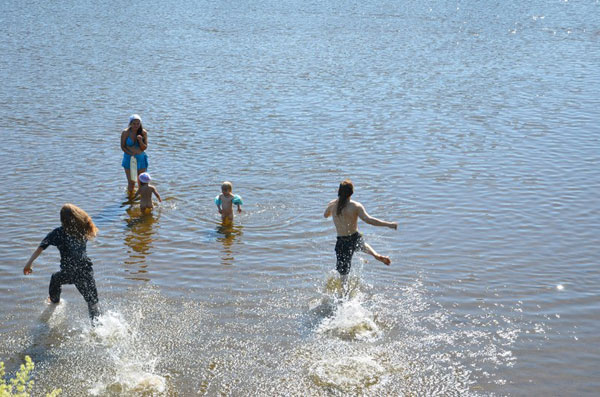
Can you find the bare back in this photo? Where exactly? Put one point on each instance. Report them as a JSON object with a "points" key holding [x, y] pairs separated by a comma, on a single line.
{"points": [[347, 222], [145, 193]]}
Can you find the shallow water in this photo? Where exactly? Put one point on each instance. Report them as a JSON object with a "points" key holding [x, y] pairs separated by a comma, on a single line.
{"points": [[475, 126]]}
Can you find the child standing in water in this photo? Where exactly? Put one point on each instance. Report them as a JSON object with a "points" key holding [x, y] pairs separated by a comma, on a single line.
{"points": [[226, 200], [145, 193], [75, 266], [345, 218]]}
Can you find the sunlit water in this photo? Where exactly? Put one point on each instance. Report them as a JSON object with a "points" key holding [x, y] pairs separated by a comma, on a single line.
{"points": [[474, 125]]}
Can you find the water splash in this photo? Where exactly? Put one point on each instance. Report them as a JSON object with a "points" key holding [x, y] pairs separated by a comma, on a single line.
{"points": [[351, 321], [347, 374], [393, 340], [111, 328], [345, 312], [134, 369], [55, 314]]}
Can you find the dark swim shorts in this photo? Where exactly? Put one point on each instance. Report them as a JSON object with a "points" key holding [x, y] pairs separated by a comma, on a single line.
{"points": [[344, 249]]}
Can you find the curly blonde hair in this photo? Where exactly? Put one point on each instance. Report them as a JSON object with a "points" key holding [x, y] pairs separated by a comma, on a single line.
{"points": [[77, 222]]}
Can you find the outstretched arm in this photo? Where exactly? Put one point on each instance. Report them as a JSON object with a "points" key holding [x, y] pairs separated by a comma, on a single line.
{"points": [[27, 269], [362, 214], [156, 194]]}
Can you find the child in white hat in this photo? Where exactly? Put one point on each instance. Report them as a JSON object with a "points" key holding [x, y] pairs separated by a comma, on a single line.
{"points": [[145, 193]]}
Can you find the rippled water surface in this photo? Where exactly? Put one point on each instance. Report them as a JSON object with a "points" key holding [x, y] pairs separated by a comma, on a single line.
{"points": [[475, 125]]}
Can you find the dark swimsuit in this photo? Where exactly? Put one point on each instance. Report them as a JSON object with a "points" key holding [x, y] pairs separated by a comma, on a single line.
{"points": [[75, 268], [344, 249]]}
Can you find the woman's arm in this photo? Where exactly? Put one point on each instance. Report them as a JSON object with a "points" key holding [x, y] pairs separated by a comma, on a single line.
{"points": [[27, 269], [143, 140], [124, 143]]}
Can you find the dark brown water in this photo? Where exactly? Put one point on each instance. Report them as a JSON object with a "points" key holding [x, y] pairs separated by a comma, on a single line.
{"points": [[475, 126]]}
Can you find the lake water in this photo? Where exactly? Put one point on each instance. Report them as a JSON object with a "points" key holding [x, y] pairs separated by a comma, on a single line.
{"points": [[475, 125]]}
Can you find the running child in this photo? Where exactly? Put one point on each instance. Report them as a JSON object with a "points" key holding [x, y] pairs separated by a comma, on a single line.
{"points": [[345, 218], [226, 200], [145, 193], [75, 266]]}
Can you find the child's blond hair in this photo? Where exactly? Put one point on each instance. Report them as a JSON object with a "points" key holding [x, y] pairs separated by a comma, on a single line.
{"points": [[226, 187], [77, 222]]}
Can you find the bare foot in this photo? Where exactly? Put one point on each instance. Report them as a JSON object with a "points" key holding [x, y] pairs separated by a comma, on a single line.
{"points": [[384, 259], [49, 301]]}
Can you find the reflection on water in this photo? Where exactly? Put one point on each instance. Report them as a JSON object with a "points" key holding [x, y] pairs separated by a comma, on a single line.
{"points": [[109, 214], [227, 233], [138, 238], [51, 330]]}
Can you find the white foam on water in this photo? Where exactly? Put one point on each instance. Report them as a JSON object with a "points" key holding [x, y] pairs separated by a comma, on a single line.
{"points": [[347, 374], [131, 380], [133, 369], [351, 320], [111, 327]]}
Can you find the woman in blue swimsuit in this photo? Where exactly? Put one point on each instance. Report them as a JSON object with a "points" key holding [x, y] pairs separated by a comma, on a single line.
{"points": [[134, 140]]}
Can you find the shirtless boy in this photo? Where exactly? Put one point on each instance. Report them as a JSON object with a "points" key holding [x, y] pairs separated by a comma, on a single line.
{"points": [[226, 200], [345, 214], [145, 192]]}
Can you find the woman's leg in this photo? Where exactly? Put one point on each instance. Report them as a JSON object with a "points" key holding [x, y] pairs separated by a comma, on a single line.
{"points": [[140, 171], [130, 183]]}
